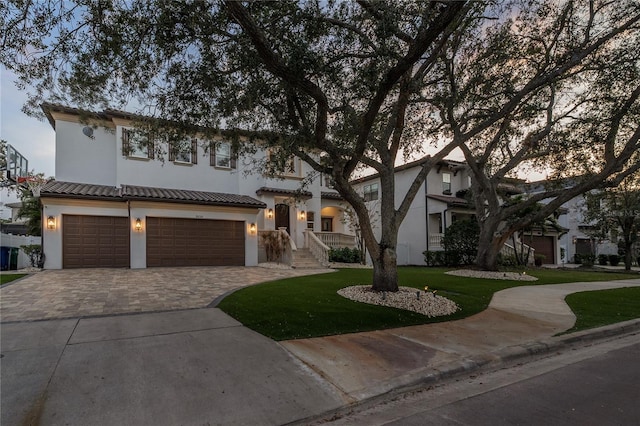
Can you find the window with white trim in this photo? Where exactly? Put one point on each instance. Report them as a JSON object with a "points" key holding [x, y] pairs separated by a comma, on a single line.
{"points": [[446, 183], [222, 156], [184, 152], [371, 192], [137, 144]]}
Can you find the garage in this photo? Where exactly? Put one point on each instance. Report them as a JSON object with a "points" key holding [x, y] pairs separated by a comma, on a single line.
{"points": [[95, 242], [544, 245], [194, 242]]}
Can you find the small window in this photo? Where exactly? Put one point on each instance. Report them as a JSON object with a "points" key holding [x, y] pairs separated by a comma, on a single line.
{"points": [[446, 183], [222, 156], [137, 144], [328, 181], [310, 220], [184, 152], [371, 192], [292, 166]]}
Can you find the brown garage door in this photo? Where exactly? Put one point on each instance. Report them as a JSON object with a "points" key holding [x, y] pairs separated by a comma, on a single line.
{"points": [[544, 246], [194, 242], [95, 242]]}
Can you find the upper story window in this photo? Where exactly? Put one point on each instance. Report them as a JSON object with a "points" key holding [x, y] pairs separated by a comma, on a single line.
{"points": [[371, 192], [222, 156], [184, 152], [446, 183], [137, 144], [328, 181], [291, 166]]}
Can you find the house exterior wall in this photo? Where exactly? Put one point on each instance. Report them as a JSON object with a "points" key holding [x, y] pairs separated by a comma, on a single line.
{"points": [[101, 160], [52, 238], [143, 209], [421, 218], [81, 159]]}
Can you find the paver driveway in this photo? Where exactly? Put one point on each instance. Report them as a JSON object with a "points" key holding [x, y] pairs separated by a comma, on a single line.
{"points": [[76, 293]]}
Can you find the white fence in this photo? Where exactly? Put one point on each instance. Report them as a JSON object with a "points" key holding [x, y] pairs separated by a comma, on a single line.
{"points": [[9, 240]]}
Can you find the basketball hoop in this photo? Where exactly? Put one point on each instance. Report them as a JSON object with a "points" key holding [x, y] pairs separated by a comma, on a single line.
{"points": [[34, 184]]}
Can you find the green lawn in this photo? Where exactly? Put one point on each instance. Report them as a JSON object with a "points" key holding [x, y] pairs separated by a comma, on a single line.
{"points": [[604, 307], [309, 306], [6, 278]]}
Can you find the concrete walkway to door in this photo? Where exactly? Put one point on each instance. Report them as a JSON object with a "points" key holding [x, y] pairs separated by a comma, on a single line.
{"points": [[75, 293]]}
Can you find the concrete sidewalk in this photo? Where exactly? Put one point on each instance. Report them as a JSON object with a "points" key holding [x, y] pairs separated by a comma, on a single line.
{"points": [[200, 366], [365, 365]]}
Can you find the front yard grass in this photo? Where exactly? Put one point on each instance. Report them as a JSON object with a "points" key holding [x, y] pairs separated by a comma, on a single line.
{"points": [[310, 307], [7, 278], [603, 307]]}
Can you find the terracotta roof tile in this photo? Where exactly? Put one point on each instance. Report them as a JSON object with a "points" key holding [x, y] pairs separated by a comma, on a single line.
{"points": [[331, 196], [79, 190], [280, 191], [131, 192], [449, 200]]}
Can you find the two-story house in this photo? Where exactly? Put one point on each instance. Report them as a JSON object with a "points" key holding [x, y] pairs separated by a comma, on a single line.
{"points": [[436, 206], [113, 203]]}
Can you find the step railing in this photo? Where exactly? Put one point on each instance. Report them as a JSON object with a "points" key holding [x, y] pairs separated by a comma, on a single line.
{"points": [[318, 249], [509, 250]]}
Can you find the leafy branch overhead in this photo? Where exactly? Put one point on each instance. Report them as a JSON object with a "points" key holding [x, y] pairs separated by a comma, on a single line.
{"points": [[544, 85]]}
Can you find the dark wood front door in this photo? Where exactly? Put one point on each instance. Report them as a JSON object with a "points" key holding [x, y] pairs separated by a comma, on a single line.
{"points": [[282, 217]]}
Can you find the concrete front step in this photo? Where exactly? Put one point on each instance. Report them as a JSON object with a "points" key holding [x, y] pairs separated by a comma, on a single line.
{"points": [[303, 259]]}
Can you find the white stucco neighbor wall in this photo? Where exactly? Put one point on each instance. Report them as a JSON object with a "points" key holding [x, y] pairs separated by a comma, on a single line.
{"points": [[52, 238]]}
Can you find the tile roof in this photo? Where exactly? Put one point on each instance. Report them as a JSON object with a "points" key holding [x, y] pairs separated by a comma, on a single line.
{"points": [[331, 196], [131, 192], [280, 191], [56, 188], [449, 200]]}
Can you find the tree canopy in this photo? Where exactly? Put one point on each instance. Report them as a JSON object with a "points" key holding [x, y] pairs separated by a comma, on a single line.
{"points": [[346, 85]]}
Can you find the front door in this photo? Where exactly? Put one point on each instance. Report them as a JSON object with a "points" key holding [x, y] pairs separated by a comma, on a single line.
{"points": [[327, 224], [282, 217]]}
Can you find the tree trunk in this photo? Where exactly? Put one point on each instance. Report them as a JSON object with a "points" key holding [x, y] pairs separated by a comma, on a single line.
{"points": [[489, 244], [385, 270], [628, 255]]}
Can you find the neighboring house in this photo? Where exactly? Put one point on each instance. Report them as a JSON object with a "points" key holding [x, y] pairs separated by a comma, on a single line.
{"points": [[113, 204], [434, 208], [17, 225]]}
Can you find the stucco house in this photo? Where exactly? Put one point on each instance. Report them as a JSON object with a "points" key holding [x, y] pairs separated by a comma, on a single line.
{"points": [[113, 204], [440, 202]]}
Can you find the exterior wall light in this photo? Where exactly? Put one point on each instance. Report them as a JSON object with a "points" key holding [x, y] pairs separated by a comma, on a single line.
{"points": [[270, 214], [51, 222], [252, 228], [138, 225], [302, 215]]}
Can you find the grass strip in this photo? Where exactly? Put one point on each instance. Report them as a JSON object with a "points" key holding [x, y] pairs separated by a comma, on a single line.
{"points": [[309, 306], [603, 307], [7, 278]]}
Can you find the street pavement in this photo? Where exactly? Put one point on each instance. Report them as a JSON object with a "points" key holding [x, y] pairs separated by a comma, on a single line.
{"points": [[199, 366]]}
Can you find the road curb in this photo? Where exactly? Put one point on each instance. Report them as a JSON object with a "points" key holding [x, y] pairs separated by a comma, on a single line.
{"points": [[477, 363]]}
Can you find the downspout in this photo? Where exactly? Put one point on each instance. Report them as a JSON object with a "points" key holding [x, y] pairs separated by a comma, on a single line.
{"points": [[426, 210]]}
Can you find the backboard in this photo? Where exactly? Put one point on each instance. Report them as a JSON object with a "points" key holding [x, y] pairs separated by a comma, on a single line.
{"points": [[17, 164]]}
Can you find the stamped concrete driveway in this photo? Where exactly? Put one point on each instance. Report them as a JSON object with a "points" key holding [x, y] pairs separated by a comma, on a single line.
{"points": [[77, 293]]}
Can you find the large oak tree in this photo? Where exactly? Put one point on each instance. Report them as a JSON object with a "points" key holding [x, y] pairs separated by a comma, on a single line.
{"points": [[346, 85]]}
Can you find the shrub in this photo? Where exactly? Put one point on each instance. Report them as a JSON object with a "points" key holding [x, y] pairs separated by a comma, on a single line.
{"points": [[345, 255], [577, 259], [614, 259], [507, 260], [36, 257], [602, 259], [433, 258], [588, 259], [460, 242], [274, 245], [538, 259]]}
